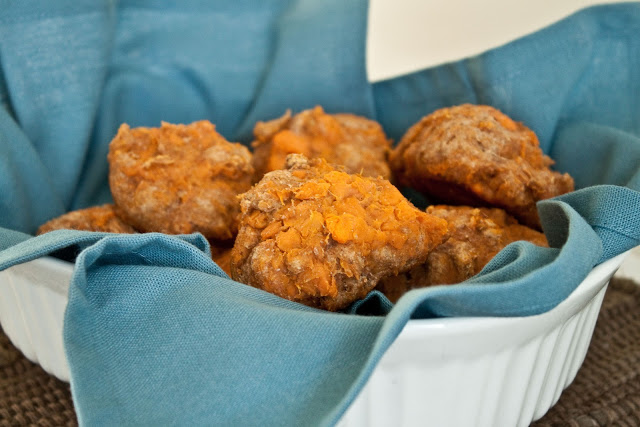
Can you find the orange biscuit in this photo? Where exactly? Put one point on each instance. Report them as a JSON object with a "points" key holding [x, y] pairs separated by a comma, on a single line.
{"points": [[357, 143], [477, 235], [323, 237], [98, 218], [179, 179], [475, 155]]}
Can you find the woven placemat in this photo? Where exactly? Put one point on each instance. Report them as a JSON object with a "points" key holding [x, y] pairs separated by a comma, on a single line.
{"points": [[28, 395], [606, 390]]}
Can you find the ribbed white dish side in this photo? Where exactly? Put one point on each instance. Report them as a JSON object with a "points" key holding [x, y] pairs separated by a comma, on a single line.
{"points": [[577, 331], [513, 387], [558, 381], [32, 316], [12, 317]]}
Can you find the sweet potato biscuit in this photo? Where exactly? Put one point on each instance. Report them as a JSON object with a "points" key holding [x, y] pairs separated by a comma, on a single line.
{"points": [[324, 238], [98, 218], [179, 179], [357, 143], [477, 235], [475, 155]]}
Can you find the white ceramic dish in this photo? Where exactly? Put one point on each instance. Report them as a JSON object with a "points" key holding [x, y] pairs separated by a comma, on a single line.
{"points": [[458, 371]]}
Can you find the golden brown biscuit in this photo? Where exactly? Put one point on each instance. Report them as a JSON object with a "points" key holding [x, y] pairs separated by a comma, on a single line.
{"points": [[357, 143], [323, 237], [475, 155], [98, 218], [477, 235], [179, 179]]}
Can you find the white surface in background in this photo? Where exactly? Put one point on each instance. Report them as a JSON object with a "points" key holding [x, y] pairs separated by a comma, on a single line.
{"points": [[630, 268], [409, 35]]}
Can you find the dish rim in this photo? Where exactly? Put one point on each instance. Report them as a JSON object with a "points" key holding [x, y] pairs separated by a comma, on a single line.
{"points": [[583, 293]]}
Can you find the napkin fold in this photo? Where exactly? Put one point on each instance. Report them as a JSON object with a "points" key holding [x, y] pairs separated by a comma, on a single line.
{"points": [[155, 332]]}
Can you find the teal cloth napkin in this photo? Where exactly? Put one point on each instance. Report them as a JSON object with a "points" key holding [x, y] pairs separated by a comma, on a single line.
{"points": [[155, 333]]}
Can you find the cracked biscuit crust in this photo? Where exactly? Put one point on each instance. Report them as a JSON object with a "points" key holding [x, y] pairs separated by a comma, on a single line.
{"points": [[179, 179], [324, 238], [357, 143], [477, 235], [98, 218], [475, 155]]}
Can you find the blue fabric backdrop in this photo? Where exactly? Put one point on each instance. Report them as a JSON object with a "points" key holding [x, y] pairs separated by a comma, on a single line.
{"points": [[155, 332]]}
